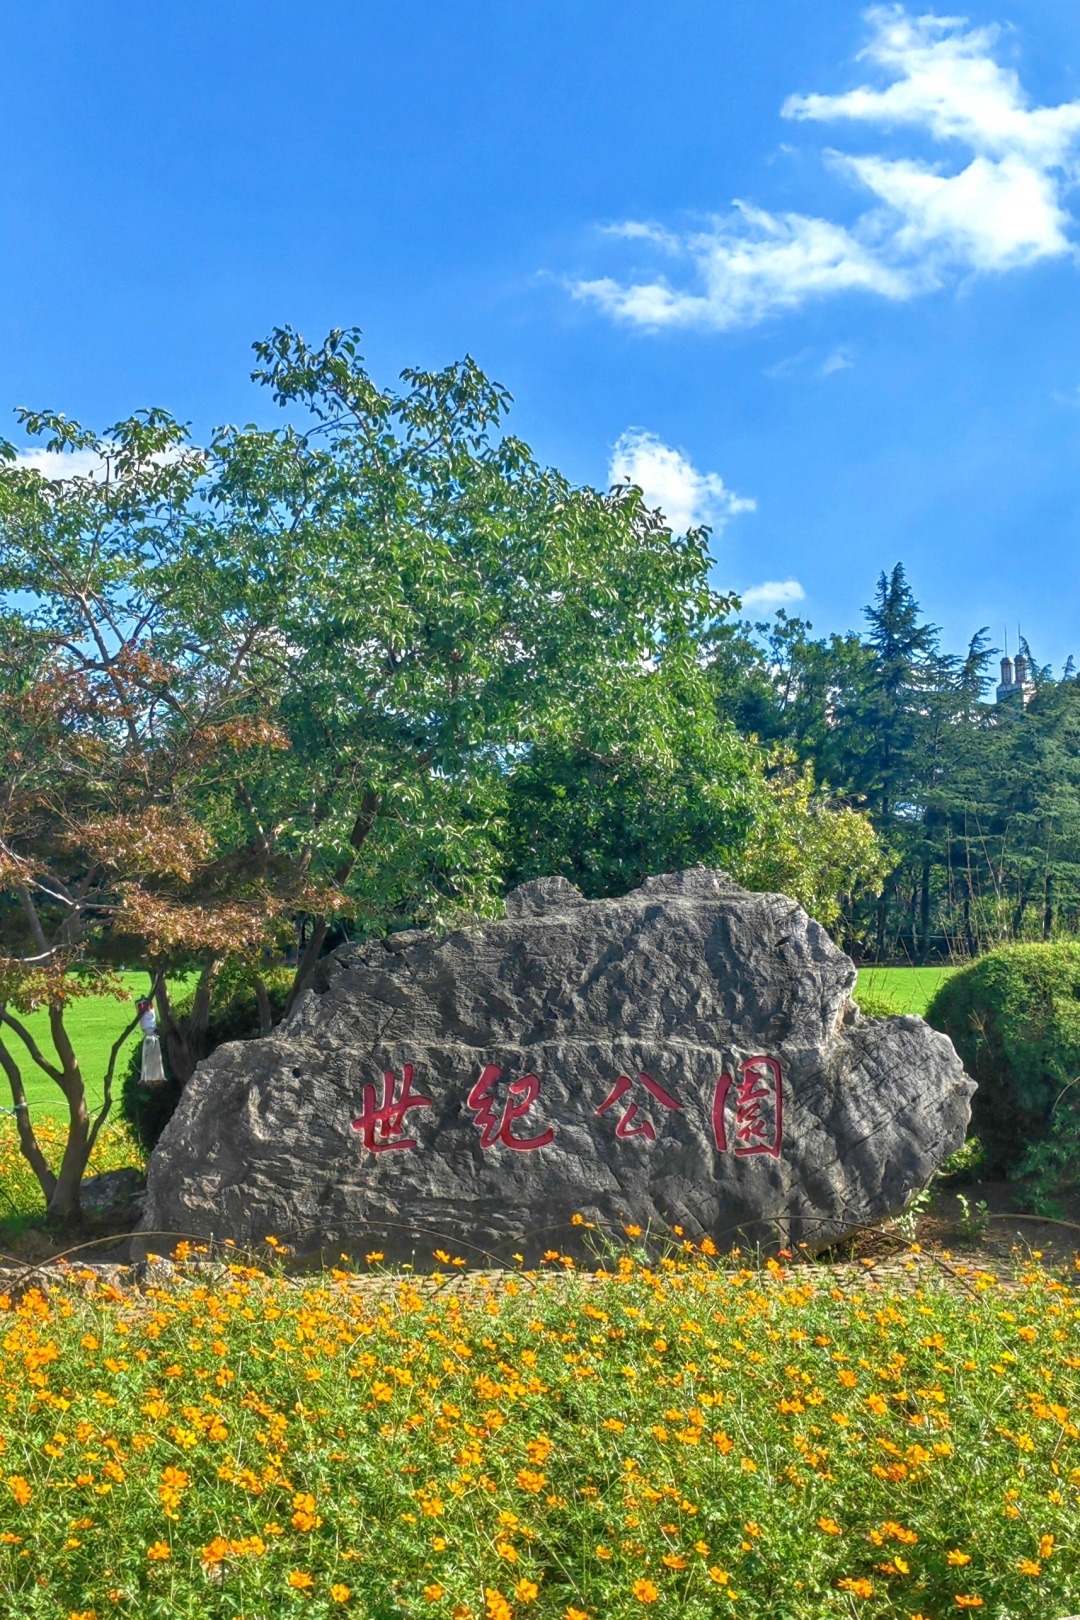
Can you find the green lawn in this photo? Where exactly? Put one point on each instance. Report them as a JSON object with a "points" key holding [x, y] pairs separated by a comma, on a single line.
{"points": [[94, 1024], [906, 990]]}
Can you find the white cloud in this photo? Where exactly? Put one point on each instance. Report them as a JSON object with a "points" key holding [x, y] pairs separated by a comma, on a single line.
{"points": [[994, 201], [62, 463], [839, 360], [773, 593], [669, 480], [750, 265]]}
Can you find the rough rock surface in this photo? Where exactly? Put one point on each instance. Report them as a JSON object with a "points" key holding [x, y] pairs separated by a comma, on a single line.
{"points": [[114, 1198], [686, 1055]]}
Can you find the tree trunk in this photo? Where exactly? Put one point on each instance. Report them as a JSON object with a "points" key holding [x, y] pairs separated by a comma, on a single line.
{"points": [[64, 1203], [186, 1038], [28, 1142], [365, 820], [266, 1013], [924, 912]]}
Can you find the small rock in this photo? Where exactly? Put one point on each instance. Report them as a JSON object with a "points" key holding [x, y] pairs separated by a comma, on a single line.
{"points": [[115, 1198]]}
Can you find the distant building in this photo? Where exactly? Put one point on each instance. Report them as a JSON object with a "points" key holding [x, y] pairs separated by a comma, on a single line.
{"points": [[1015, 687]]}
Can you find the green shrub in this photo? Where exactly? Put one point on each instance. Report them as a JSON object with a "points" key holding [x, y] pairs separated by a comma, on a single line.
{"points": [[234, 1016], [1014, 1018]]}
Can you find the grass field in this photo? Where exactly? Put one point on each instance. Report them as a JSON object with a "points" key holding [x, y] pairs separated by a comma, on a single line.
{"points": [[670, 1440], [94, 1024], [906, 990]]}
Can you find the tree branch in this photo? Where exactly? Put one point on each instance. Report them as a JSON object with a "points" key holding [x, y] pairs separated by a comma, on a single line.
{"points": [[28, 1142], [32, 1047]]}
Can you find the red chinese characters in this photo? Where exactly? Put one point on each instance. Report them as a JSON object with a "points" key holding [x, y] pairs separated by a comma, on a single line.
{"points": [[626, 1127], [495, 1127], [759, 1108], [382, 1125]]}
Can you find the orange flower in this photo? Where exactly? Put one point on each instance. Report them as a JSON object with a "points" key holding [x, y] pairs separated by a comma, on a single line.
{"points": [[1046, 1546], [830, 1526], [526, 1591], [159, 1553], [858, 1587], [300, 1581], [957, 1558], [720, 1576], [575, 1614], [433, 1592], [530, 1481], [963, 1601], [673, 1561], [497, 1606], [645, 1591], [1028, 1566], [20, 1489], [340, 1592]]}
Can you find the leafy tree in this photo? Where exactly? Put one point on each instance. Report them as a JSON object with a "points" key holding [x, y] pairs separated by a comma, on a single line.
{"points": [[131, 701]]}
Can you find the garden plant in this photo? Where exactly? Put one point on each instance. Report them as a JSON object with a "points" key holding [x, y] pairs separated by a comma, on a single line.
{"points": [[678, 1436]]}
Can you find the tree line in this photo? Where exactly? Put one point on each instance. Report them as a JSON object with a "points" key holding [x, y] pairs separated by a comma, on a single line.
{"points": [[976, 803]]}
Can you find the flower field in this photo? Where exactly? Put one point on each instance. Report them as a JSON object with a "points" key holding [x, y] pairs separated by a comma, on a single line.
{"points": [[673, 1438], [21, 1201]]}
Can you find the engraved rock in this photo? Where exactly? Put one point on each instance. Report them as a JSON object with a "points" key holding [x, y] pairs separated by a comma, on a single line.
{"points": [[687, 1055]]}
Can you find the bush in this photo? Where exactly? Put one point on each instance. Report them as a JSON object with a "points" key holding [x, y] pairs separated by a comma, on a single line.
{"points": [[235, 1017], [1014, 1018]]}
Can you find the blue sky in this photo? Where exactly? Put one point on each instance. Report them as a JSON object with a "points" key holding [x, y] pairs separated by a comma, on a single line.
{"points": [[805, 269]]}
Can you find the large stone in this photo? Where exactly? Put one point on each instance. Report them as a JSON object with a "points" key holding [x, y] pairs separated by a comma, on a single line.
{"points": [[688, 1055]]}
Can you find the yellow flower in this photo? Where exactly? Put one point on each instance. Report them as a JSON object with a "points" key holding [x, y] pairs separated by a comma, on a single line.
{"points": [[575, 1614], [1046, 1546], [673, 1561], [438, 1544], [957, 1558], [376, 1254], [300, 1581], [1028, 1566], [340, 1592], [20, 1489], [830, 1526], [645, 1591], [497, 1606], [634, 1231], [614, 1424], [530, 1481], [507, 1550], [526, 1591], [577, 1220], [963, 1601], [720, 1576], [433, 1592], [604, 1553]]}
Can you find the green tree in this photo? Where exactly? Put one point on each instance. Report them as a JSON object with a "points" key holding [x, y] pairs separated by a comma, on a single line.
{"points": [[131, 702]]}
